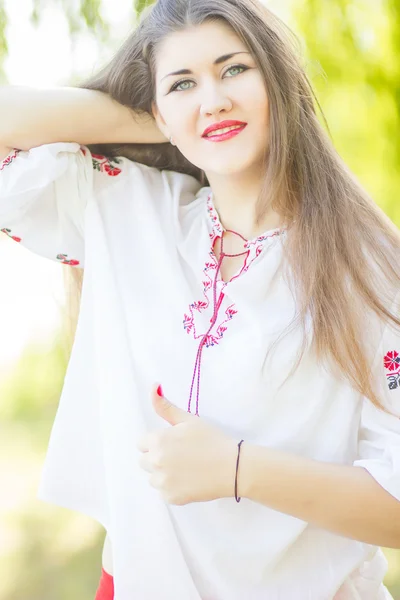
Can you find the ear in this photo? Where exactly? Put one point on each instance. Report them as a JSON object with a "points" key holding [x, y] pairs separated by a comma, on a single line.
{"points": [[159, 119]]}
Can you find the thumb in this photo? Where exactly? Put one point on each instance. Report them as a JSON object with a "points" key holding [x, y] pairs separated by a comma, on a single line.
{"points": [[166, 410]]}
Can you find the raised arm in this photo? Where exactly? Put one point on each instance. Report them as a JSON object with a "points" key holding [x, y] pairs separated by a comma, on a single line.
{"points": [[44, 116]]}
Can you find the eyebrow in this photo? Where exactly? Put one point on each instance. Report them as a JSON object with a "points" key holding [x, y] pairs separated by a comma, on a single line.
{"points": [[217, 61]]}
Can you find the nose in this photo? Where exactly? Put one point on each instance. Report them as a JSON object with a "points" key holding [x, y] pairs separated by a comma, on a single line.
{"points": [[214, 102]]}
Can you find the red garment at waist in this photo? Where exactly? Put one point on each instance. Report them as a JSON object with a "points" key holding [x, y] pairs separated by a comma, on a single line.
{"points": [[106, 587]]}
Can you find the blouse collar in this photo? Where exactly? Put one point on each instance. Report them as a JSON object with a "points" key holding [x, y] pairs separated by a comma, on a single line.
{"points": [[218, 229]]}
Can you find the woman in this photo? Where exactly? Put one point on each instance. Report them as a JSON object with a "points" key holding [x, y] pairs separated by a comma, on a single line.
{"points": [[242, 273]]}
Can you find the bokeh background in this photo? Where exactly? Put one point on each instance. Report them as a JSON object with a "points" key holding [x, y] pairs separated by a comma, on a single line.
{"points": [[352, 53]]}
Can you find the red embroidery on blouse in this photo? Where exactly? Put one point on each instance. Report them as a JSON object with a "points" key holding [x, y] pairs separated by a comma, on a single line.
{"points": [[60, 257], [8, 232], [211, 266], [9, 159], [391, 362], [106, 165], [67, 261], [252, 249], [202, 305]]}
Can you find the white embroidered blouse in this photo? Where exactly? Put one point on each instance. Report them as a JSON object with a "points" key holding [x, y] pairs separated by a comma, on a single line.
{"points": [[154, 308]]}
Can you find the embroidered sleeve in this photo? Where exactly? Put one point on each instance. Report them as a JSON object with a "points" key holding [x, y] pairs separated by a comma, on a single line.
{"points": [[379, 432], [43, 196]]}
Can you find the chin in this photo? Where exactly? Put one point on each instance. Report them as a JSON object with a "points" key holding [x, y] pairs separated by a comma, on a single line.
{"points": [[223, 162], [229, 168]]}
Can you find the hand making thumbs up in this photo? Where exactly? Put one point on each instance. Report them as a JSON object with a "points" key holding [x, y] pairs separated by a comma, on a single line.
{"points": [[191, 461]]}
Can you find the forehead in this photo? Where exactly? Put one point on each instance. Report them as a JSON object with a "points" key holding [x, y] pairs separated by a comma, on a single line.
{"points": [[196, 46]]}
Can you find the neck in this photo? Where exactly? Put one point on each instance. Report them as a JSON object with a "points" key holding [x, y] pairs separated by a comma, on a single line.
{"points": [[235, 201]]}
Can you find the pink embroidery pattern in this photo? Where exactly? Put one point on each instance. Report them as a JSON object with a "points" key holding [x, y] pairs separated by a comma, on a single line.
{"points": [[8, 232], [391, 362], [105, 165], [201, 306], [9, 159], [67, 261], [60, 257], [257, 242], [252, 249]]}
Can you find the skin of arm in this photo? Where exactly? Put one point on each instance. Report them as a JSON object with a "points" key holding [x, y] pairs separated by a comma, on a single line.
{"points": [[343, 499], [44, 116], [195, 461]]}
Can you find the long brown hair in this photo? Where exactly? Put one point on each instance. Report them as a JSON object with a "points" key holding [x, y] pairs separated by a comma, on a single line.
{"points": [[343, 251]]}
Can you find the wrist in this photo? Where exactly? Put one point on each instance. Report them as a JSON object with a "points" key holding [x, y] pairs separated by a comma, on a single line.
{"points": [[227, 469], [119, 123], [138, 128], [246, 469]]}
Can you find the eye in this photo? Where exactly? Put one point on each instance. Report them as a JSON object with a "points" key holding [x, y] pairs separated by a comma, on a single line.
{"points": [[178, 83], [182, 81], [236, 67]]}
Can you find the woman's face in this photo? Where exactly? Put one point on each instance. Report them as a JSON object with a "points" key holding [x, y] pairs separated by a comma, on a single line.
{"points": [[231, 89]]}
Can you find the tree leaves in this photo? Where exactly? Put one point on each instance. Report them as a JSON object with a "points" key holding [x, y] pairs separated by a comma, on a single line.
{"points": [[140, 5], [81, 16], [355, 46]]}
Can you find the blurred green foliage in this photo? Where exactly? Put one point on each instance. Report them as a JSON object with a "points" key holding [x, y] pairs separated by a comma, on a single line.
{"points": [[46, 552], [352, 50]]}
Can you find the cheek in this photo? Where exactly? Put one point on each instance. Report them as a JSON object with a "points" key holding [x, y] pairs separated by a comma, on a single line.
{"points": [[180, 118], [254, 100], [260, 106], [183, 118]]}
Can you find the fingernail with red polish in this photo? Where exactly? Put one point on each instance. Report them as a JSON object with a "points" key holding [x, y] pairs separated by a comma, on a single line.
{"points": [[159, 391]]}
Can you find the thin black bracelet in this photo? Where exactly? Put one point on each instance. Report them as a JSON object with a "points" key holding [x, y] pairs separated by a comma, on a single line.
{"points": [[237, 465]]}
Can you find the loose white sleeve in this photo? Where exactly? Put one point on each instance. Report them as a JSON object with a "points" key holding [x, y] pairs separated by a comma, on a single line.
{"points": [[379, 432], [43, 196]]}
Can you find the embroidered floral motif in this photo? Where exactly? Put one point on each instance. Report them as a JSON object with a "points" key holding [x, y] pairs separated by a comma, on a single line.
{"points": [[8, 232], [110, 169], [60, 257], [209, 338], [218, 229], [391, 362], [254, 248], [67, 261], [215, 286], [105, 165], [9, 159], [202, 305]]}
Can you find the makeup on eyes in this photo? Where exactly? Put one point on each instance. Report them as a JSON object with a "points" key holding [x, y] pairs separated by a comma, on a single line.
{"points": [[177, 83], [217, 61]]}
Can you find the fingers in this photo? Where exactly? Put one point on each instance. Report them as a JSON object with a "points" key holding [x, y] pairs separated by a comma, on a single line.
{"points": [[146, 442], [145, 462]]}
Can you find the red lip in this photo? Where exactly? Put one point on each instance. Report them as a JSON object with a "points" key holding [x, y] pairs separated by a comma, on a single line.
{"points": [[221, 125]]}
